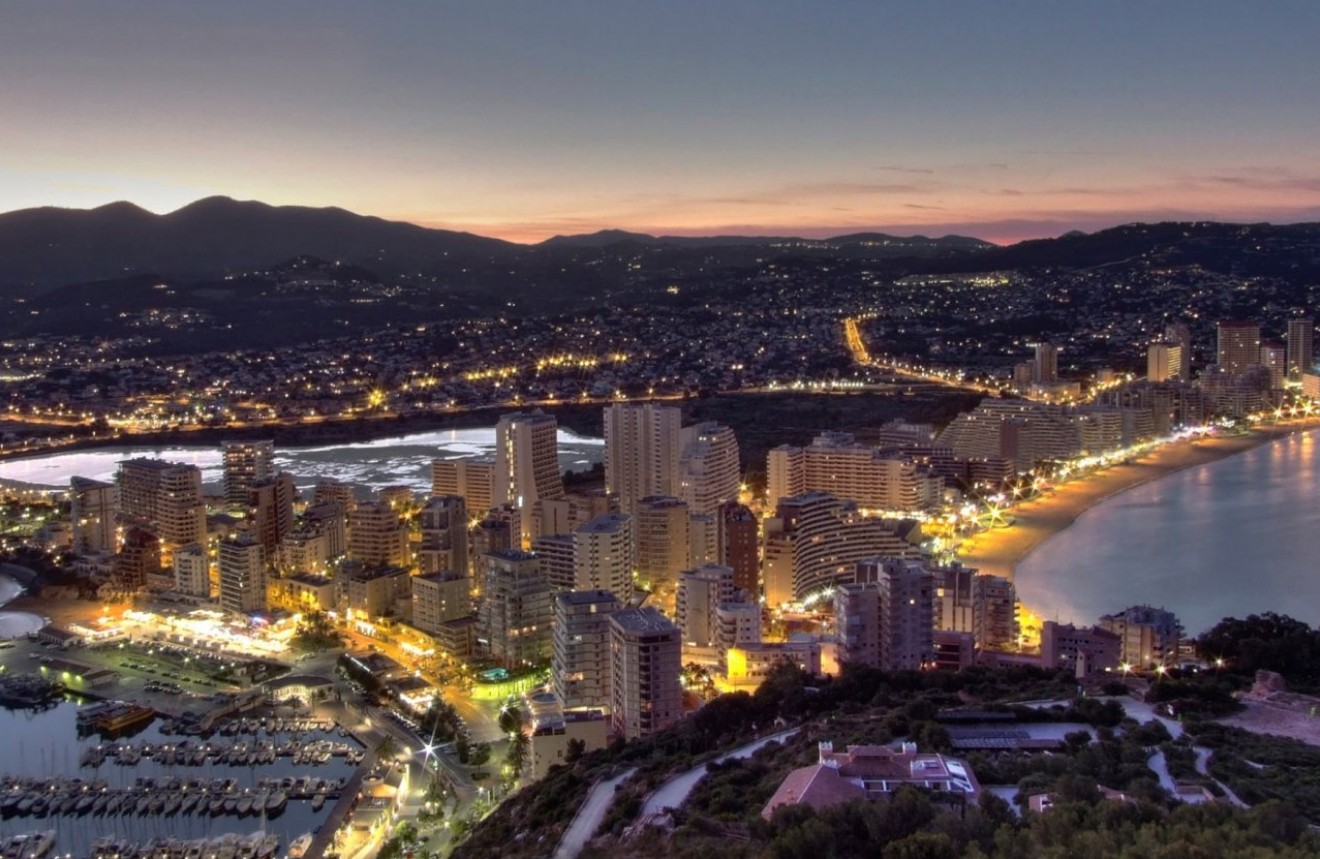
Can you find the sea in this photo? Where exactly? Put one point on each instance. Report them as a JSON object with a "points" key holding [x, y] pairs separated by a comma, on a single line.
{"points": [[1230, 538], [368, 466]]}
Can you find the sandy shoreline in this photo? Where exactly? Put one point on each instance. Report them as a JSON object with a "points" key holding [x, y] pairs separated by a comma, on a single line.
{"points": [[998, 552]]}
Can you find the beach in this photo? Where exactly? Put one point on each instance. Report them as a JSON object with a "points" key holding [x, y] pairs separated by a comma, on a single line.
{"points": [[999, 551]]}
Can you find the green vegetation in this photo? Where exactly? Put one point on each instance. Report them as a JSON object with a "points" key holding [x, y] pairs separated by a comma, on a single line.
{"points": [[722, 816], [1260, 768], [316, 633], [1269, 642], [440, 723], [545, 809], [403, 843], [910, 826]]}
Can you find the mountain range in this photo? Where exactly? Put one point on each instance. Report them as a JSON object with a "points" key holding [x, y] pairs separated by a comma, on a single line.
{"points": [[223, 272], [218, 236]]}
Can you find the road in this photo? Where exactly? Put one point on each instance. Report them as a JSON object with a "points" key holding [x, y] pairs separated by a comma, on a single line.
{"points": [[1202, 757], [673, 793], [590, 815]]}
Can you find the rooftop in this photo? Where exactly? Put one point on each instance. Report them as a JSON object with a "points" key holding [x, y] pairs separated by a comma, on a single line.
{"points": [[645, 619]]}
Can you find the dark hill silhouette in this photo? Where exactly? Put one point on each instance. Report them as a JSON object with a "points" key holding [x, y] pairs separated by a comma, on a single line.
{"points": [[216, 236], [1247, 248], [900, 245]]}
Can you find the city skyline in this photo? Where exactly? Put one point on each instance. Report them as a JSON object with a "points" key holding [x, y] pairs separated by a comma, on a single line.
{"points": [[525, 122]]}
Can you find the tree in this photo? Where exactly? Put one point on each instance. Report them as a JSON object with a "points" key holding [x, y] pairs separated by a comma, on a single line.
{"points": [[511, 718], [520, 751], [463, 746], [576, 749], [387, 748], [315, 632]]}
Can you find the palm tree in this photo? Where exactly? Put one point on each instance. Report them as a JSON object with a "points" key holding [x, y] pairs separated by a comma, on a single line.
{"points": [[511, 718], [520, 751]]}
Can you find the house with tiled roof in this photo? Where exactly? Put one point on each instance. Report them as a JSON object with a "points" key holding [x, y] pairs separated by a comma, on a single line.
{"points": [[872, 772]]}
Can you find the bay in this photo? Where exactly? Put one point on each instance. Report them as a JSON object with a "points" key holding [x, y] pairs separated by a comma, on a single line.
{"points": [[1225, 539]]}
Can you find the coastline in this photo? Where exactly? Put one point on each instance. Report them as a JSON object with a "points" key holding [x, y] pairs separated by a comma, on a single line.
{"points": [[999, 551]]}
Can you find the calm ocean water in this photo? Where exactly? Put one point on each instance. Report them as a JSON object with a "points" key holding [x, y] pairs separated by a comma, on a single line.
{"points": [[1227, 539], [404, 460]]}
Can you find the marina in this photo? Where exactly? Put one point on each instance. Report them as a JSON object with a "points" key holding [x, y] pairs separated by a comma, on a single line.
{"points": [[257, 845], [167, 794], [162, 797], [200, 753]]}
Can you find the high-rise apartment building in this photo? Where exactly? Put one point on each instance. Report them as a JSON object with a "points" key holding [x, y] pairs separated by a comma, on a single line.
{"points": [[246, 463], [471, 478], [439, 598], [700, 594], [1045, 367], [527, 460], [1274, 358], [1178, 333], [557, 560], [565, 515], [192, 572], [995, 623], [740, 547], [93, 507], [325, 523], [643, 446], [138, 561], [444, 527], [985, 606], [835, 463], [516, 610], [329, 491], [885, 617], [605, 555], [1238, 345], [1301, 354], [660, 524], [709, 473], [814, 541], [645, 661], [165, 498], [737, 624], [377, 536], [242, 565], [270, 510], [1164, 361], [581, 660], [500, 529], [703, 539]]}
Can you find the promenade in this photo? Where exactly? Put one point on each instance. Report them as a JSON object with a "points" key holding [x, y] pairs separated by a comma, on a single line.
{"points": [[998, 551]]}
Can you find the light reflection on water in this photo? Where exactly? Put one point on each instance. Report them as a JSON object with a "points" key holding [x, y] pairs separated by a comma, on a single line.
{"points": [[1230, 538], [404, 460]]}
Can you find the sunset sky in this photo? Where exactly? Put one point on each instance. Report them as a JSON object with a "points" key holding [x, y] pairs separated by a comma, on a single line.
{"points": [[1003, 120]]}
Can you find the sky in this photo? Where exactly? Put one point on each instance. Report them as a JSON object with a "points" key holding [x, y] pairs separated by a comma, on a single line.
{"points": [[1004, 120]]}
